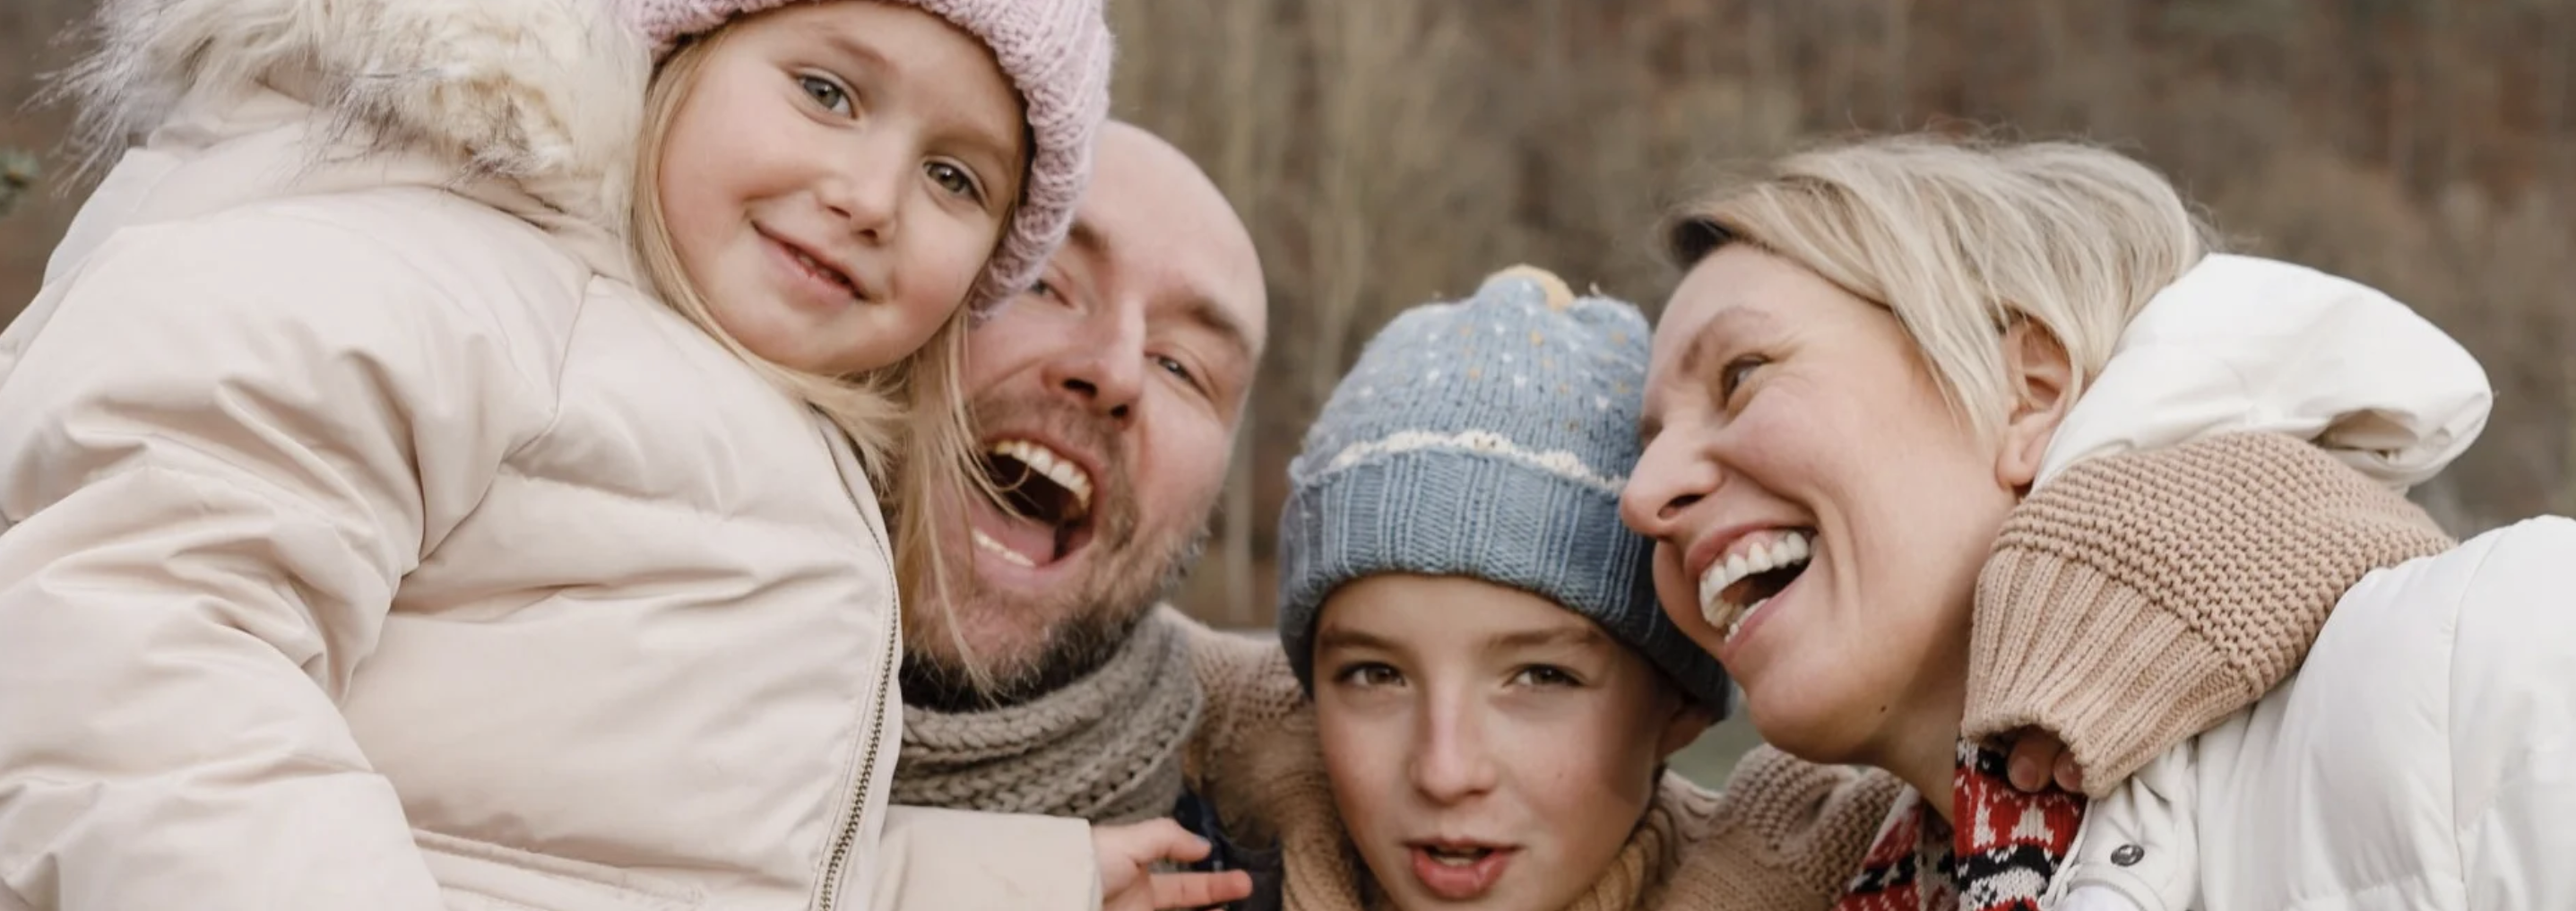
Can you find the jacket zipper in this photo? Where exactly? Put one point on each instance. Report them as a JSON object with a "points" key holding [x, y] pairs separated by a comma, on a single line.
{"points": [[849, 838], [829, 895]]}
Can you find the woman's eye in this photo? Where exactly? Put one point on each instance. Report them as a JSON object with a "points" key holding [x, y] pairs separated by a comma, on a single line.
{"points": [[827, 93], [1734, 375], [1544, 675], [953, 179]]}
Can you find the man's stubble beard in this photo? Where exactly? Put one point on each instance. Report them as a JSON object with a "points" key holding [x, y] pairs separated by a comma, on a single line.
{"points": [[1033, 644], [1082, 631]]}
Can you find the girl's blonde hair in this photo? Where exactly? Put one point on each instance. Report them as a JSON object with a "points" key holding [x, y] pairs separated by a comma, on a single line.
{"points": [[908, 421], [1962, 238]]}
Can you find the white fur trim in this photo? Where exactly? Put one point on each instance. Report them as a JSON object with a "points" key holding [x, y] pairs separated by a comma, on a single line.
{"points": [[548, 93], [1558, 462]]}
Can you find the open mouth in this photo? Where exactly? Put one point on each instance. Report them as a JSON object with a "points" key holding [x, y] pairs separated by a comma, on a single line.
{"points": [[1047, 497], [1736, 587], [1457, 857], [1459, 871]]}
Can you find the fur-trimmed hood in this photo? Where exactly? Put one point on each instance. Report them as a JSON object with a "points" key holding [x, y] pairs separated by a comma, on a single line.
{"points": [[548, 94]]}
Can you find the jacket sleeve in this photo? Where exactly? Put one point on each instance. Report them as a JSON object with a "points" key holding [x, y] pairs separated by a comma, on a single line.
{"points": [[2512, 716], [222, 445], [958, 860], [2138, 599]]}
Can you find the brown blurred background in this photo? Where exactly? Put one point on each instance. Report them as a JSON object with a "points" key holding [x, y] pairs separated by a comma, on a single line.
{"points": [[1389, 152]]}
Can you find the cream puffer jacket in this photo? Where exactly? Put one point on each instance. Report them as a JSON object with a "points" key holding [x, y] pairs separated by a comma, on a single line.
{"points": [[372, 542], [2423, 756]]}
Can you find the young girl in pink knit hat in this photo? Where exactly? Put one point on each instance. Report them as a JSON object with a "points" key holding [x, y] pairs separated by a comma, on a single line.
{"points": [[441, 465]]}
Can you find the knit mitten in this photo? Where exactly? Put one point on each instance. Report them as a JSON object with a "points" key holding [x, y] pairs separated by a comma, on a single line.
{"points": [[2141, 598]]}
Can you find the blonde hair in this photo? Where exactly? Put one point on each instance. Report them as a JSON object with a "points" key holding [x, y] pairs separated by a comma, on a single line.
{"points": [[1962, 238], [923, 394]]}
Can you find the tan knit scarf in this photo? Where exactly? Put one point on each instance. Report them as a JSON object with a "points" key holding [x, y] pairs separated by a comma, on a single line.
{"points": [[1107, 748]]}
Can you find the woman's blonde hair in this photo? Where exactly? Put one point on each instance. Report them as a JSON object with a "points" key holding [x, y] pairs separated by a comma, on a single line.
{"points": [[1962, 238], [908, 421]]}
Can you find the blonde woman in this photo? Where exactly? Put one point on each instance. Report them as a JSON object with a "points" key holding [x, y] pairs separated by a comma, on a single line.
{"points": [[1938, 428]]}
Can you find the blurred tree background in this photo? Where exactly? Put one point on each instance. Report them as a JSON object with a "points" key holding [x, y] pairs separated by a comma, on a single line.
{"points": [[1390, 152]]}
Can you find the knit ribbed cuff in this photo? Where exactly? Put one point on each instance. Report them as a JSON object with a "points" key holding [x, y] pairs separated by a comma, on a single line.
{"points": [[2117, 696]]}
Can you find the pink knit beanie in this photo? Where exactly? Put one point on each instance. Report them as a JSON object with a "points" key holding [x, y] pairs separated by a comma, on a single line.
{"points": [[1056, 52]]}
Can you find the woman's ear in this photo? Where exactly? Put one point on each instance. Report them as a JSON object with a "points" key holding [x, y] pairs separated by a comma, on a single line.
{"points": [[2040, 378]]}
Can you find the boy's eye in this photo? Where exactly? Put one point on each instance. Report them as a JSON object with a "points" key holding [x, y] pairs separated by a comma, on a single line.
{"points": [[827, 93], [1369, 675], [953, 179], [1544, 675]]}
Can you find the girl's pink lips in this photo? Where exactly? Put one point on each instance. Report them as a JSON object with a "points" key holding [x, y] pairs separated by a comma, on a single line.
{"points": [[792, 257], [1459, 883]]}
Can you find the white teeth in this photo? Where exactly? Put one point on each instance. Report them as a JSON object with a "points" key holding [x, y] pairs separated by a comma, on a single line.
{"points": [[1788, 548], [995, 547], [1455, 857], [1746, 614], [1054, 465]]}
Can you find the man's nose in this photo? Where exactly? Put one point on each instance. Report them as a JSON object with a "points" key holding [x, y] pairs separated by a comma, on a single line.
{"points": [[1103, 363]]}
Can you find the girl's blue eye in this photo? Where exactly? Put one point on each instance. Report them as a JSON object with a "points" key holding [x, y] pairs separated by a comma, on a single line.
{"points": [[825, 92], [953, 179]]}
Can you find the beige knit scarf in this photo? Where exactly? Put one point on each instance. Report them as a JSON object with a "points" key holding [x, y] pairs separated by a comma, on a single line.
{"points": [[1107, 748]]}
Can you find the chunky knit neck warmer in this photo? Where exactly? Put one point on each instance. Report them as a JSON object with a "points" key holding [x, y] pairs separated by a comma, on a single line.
{"points": [[1107, 748]]}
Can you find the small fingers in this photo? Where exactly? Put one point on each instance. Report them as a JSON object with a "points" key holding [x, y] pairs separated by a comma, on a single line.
{"points": [[2035, 754], [1200, 890], [1146, 842]]}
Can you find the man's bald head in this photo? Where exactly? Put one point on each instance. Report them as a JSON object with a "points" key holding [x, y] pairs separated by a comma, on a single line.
{"points": [[1145, 190]]}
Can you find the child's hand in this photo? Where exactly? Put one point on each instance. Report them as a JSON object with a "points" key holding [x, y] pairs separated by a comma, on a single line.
{"points": [[2037, 757], [1127, 856]]}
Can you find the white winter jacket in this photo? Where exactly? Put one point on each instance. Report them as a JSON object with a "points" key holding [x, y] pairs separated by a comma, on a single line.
{"points": [[2424, 755], [369, 541]]}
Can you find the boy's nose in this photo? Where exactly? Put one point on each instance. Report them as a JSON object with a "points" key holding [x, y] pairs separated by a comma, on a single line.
{"points": [[1451, 761]]}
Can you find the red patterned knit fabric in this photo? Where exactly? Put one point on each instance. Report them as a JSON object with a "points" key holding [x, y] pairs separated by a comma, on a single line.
{"points": [[1999, 859]]}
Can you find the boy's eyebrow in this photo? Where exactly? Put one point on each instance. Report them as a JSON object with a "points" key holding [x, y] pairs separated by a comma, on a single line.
{"points": [[1579, 635], [1332, 637]]}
